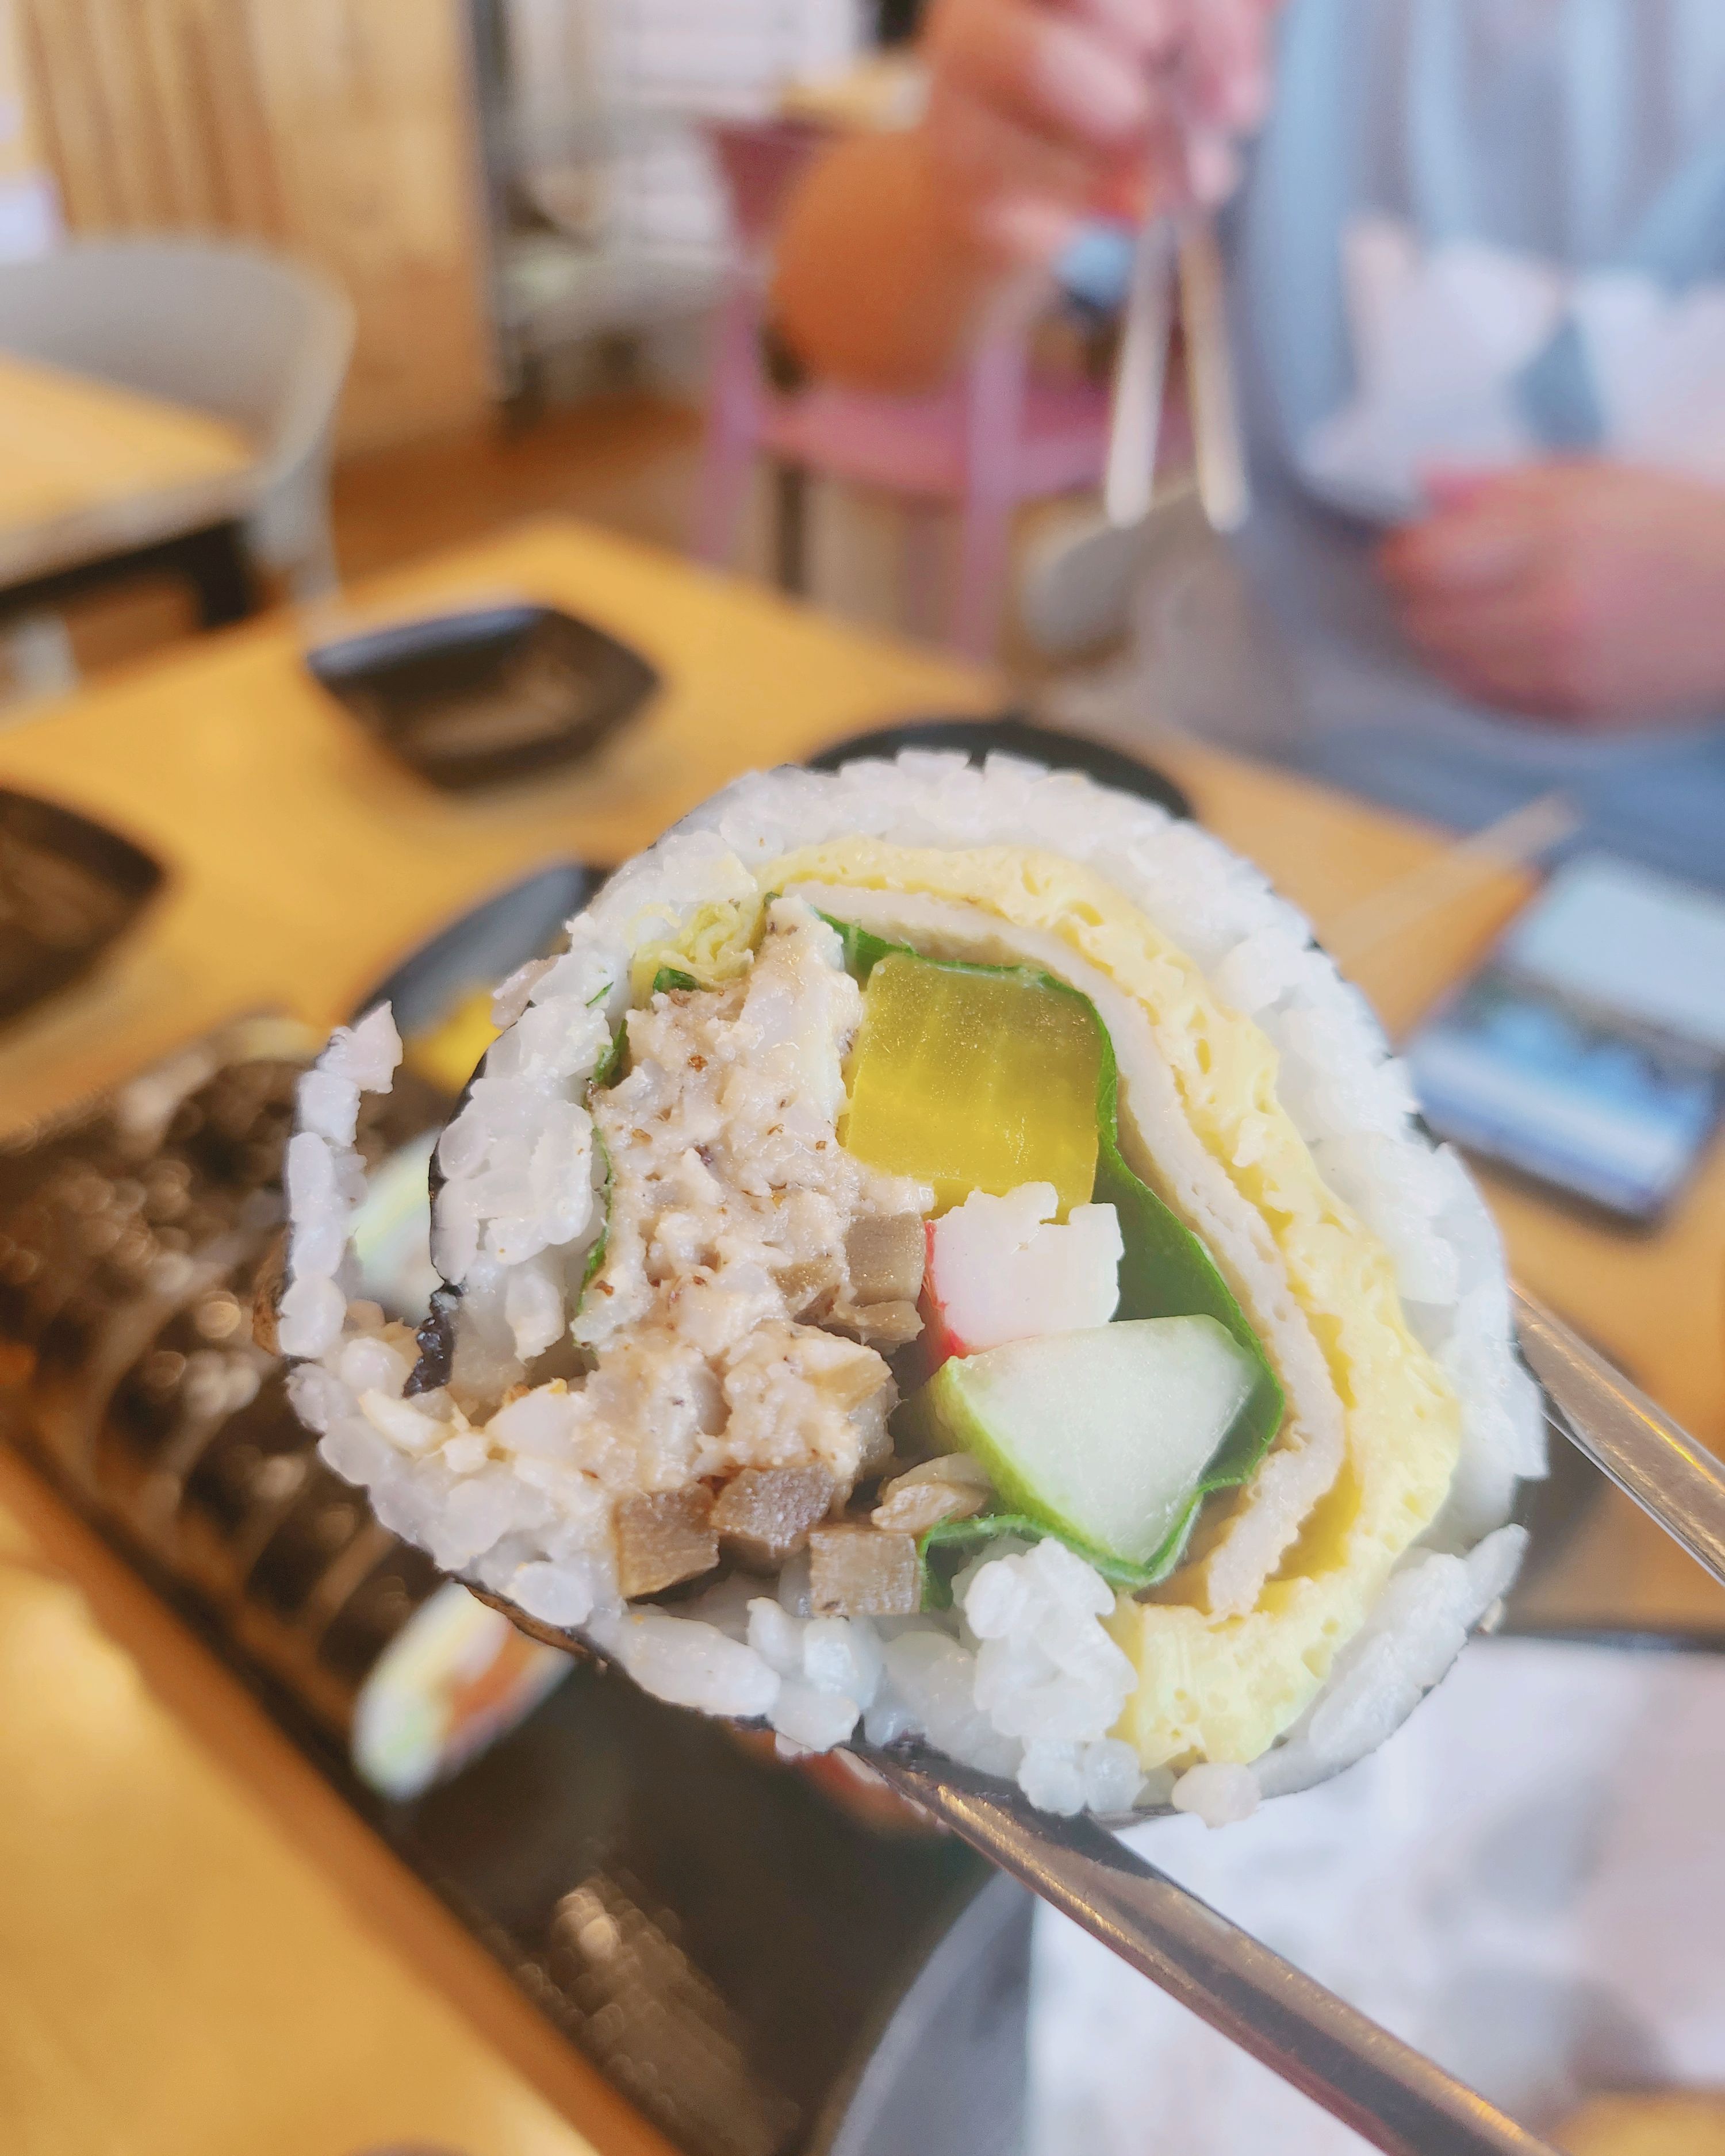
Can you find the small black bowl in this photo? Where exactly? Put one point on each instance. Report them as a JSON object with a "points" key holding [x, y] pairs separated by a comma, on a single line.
{"points": [[1012, 734], [485, 945], [487, 695], [68, 888]]}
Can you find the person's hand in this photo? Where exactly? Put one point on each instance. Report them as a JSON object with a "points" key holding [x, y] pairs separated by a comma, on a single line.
{"points": [[1578, 590], [1042, 112]]}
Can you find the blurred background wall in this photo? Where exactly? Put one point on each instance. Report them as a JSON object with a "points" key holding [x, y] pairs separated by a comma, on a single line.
{"points": [[523, 202], [27, 215], [340, 130]]}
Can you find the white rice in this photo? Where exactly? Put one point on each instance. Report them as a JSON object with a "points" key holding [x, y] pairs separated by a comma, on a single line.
{"points": [[1022, 1680]]}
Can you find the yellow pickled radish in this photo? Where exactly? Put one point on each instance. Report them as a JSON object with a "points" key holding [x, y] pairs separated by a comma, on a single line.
{"points": [[974, 1081]]}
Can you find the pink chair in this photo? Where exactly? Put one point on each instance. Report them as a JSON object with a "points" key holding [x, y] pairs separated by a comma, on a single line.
{"points": [[997, 436]]}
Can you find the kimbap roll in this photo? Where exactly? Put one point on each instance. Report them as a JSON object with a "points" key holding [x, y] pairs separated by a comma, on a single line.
{"points": [[941, 1250]]}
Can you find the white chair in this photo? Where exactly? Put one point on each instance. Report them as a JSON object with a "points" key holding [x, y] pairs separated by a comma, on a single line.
{"points": [[216, 324]]}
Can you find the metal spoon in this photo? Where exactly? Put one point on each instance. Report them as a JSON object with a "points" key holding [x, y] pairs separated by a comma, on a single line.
{"points": [[1077, 595], [1218, 449]]}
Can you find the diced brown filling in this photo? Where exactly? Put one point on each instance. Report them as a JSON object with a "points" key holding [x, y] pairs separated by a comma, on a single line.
{"points": [[754, 1280], [664, 1538], [857, 1571], [881, 1324], [809, 1285], [884, 1255], [764, 1515], [849, 1376], [876, 1451]]}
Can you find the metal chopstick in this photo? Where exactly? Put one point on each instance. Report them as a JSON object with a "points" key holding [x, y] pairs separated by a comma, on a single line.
{"points": [[1223, 486], [1396, 2098], [1140, 368], [1390, 2094], [1140, 371], [1671, 1475]]}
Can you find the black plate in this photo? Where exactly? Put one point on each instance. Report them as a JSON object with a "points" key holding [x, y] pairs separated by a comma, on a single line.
{"points": [[1012, 734], [475, 698], [67, 887], [485, 946]]}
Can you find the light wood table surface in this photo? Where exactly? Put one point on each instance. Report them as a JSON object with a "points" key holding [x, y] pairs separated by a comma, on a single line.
{"points": [[88, 469], [200, 1950], [203, 1950], [304, 861]]}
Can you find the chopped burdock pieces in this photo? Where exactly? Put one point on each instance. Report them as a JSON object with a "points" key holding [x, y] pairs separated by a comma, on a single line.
{"points": [[963, 1468], [805, 1284], [875, 1453], [764, 1515], [882, 1324], [885, 1253], [846, 1377], [665, 1537], [858, 1572]]}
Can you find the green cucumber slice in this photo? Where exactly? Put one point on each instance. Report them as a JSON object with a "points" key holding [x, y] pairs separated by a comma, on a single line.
{"points": [[1103, 1438]]}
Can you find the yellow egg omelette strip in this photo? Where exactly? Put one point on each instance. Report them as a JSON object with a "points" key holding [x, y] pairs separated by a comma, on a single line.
{"points": [[1225, 1688]]}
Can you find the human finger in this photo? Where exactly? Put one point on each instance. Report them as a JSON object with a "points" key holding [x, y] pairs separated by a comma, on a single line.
{"points": [[1026, 229], [1480, 549], [1486, 628], [1047, 71], [1226, 65], [1504, 652], [1150, 32], [1451, 487], [982, 152], [1209, 165]]}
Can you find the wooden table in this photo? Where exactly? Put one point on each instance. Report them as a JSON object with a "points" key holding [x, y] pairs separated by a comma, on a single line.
{"points": [[96, 480], [156, 1825], [203, 1950], [304, 861]]}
